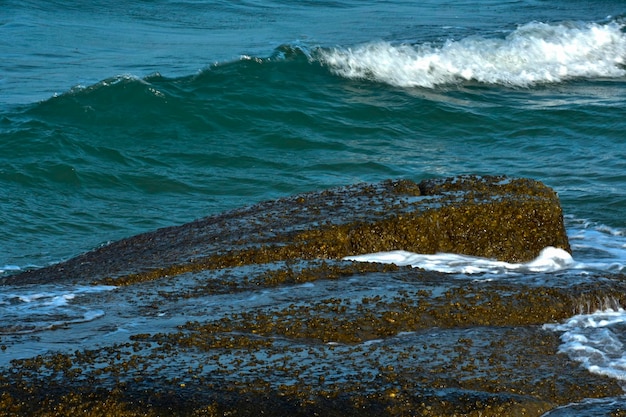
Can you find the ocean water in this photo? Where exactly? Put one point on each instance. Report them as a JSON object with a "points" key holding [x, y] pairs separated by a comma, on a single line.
{"points": [[118, 118]]}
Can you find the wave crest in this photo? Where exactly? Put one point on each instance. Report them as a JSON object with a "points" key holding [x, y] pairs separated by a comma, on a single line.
{"points": [[534, 53]]}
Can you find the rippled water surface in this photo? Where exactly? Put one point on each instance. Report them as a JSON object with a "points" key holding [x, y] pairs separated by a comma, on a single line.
{"points": [[117, 119]]}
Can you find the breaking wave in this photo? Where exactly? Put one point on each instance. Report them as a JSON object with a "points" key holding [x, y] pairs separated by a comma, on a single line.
{"points": [[534, 53]]}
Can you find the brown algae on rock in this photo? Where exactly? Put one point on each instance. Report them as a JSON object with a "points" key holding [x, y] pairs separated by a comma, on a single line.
{"points": [[298, 331], [494, 217]]}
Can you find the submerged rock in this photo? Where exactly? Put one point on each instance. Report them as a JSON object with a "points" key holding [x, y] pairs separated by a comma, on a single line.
{"points": [[254, 312]]}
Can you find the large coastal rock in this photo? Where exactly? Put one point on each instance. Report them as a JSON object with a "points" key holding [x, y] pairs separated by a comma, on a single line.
{"points": [[254, 312], [492, 217]]}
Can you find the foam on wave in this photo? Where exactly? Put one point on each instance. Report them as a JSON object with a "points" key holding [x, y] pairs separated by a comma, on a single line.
{"points": [[534, 53]]}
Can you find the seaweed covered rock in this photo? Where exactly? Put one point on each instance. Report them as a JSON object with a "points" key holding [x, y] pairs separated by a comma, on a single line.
{"points": [[255, 311], [494, 217]]}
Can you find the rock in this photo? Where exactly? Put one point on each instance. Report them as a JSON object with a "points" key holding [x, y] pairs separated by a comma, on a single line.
{"points": [[493, 217], [254, 312]]}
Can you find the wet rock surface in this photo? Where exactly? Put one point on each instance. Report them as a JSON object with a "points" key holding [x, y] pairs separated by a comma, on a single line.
{"points": [[493, 217], [253, 312]]}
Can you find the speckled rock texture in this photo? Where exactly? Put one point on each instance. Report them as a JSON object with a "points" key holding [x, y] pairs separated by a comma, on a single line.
{"points": [[494, 217], [253, 312]]}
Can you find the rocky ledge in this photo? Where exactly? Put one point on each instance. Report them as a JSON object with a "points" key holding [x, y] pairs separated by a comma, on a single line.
{"points": [[254, 312], [494, 217]]}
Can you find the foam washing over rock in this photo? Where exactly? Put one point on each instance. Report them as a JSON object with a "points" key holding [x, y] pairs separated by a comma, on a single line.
{"points": [[550, 259], [595, 339], [32, 310]]}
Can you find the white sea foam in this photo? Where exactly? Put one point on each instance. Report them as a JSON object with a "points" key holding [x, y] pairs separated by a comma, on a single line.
{"points": [[549, 260], [534, 53], [27, 310], [596, 340], [7, 268]]}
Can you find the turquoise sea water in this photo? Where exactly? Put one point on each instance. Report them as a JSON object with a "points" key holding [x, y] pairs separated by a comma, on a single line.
{"points": [[117, 119], [120, 118]]}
